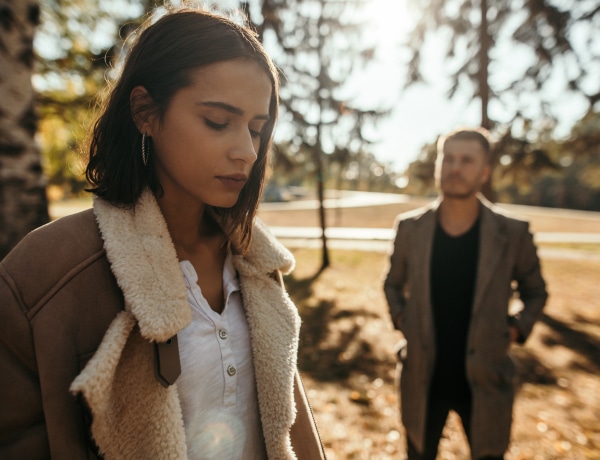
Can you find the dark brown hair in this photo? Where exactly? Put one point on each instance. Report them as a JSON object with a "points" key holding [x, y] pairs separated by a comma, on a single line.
{"points": [[480, 135], [161, 60]]}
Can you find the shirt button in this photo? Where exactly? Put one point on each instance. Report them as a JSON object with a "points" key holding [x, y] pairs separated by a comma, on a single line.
{"points": [[223, 334], [231, 370]]}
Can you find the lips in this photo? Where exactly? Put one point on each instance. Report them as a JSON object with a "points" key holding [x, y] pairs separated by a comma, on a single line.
{"points": [[454, 178], [233, 180]]}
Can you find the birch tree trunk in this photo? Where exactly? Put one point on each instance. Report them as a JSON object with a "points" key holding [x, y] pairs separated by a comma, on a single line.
{"points": [[23, 203]]}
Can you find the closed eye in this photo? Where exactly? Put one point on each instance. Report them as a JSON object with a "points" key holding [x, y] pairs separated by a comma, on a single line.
{"points": [[255, 133], [214, 125]]}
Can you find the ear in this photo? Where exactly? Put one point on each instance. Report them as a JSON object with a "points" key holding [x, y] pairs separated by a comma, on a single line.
{"points": [[142, 109], [486, 173]]}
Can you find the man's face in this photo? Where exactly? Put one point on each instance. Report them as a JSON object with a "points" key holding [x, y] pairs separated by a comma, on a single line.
{"points": [[461, 169]]}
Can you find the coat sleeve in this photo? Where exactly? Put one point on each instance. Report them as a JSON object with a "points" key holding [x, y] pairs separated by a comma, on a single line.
{"points": [[304, 434], [530, 285], [395, 278], [22, 426]]}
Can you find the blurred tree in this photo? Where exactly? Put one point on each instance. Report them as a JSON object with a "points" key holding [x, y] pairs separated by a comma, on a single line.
{"points": [[420, 172], [584, 140], [541, 31], [317, 44], [79, 43], [571, 168], [23, 204]]}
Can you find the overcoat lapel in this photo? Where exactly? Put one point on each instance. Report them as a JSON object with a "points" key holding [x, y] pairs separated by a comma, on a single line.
{"points": [[492, 242], [422, 245]]}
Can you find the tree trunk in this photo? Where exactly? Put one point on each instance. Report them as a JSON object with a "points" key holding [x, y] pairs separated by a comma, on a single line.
{"points": [[319, 154], [484, 88], [23, 203], [321, 196]]}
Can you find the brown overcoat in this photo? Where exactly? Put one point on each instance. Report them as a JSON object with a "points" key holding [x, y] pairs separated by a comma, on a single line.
{"points": [[81, 302], [506, 254]]}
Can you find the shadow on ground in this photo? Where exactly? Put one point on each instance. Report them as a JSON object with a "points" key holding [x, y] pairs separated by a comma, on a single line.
{"points": [[571, 336], [586, 349], [332, 347]]}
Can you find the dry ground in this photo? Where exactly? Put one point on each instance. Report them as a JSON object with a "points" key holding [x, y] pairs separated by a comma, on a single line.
{"points": [[347, 353], [542, 220]]}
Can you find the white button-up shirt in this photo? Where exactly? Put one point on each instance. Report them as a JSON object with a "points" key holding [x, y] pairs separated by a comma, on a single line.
{"points": [[216, 386]]}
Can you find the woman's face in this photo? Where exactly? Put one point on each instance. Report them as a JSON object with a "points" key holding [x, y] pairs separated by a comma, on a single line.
{"points": [[209, 137]]}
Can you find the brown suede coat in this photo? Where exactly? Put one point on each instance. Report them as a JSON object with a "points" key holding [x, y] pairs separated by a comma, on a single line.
{"points": [[78, 315], [506, 254]]}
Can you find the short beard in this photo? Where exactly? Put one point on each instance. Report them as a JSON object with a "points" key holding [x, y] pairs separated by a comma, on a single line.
{"points": [[459, 195]]}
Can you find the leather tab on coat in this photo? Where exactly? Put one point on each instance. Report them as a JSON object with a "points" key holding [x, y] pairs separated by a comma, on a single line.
{"points": [[167, 366]]}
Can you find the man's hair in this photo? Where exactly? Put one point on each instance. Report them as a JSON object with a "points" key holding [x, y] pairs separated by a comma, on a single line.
{"points": [[480, 135], [162, 59]]}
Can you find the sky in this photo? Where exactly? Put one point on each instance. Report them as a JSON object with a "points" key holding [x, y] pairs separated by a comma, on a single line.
{"points": [[423, 111]]}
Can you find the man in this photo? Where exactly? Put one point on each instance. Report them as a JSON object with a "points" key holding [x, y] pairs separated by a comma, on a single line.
{"points": [[452, 273]]}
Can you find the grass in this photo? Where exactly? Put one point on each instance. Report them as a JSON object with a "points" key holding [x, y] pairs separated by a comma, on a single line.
{"points": [[347, 361], [589, 248]]}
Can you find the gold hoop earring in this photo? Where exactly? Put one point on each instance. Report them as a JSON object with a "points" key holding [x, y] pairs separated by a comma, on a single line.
{"points": [[144, 150]]}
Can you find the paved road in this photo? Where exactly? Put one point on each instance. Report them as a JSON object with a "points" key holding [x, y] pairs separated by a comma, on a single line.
{"points": [[379, 239], [386, 234], [349, 199]]}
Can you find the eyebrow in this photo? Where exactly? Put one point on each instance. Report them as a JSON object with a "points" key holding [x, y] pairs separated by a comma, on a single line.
{"points": [[231, 109]]}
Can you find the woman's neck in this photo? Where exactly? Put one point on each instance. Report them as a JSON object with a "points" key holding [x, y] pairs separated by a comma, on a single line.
{"points": [[190, 224]]}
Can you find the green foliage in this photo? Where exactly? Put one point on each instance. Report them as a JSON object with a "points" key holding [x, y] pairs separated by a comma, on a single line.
{"points": [[78, 46], [538, 170]]}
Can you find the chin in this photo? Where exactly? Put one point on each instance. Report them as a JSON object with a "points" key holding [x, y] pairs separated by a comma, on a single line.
{"points": [[223, 203]]}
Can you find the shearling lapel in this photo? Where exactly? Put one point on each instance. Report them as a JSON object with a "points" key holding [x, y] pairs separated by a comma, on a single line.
{"points": [[274, 327], [421, 248], [143, 259], [134, 416], [492, 242]]}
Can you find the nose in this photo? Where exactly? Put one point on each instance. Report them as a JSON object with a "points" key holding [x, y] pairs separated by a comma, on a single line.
{"points": [[245, 148], [453, 165]]}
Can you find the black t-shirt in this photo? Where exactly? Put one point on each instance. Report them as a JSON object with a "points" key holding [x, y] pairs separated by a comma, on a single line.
{"points": [[453, 272]]}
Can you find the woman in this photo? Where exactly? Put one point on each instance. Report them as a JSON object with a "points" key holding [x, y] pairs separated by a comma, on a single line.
{"points": [[156, 325]]}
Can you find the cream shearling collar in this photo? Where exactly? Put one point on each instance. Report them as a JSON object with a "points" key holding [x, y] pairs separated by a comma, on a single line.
{"points": [[118, 383], [144, 262]]}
